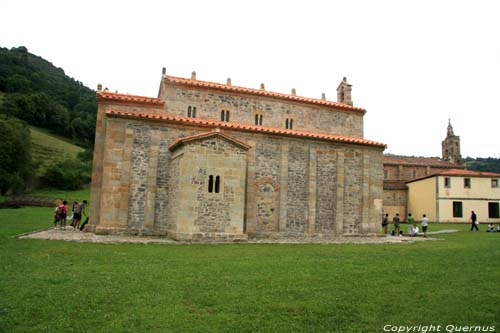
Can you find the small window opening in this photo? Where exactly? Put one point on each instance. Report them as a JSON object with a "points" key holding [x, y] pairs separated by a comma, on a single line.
{"points": [[217, 184], [210, 184]]}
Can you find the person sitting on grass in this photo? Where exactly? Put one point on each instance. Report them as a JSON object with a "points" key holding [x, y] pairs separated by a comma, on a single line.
{"points": [[491, 228], [498, 228]]}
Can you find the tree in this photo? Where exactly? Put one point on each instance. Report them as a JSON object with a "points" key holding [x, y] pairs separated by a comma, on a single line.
{"points": [[15, 155]]}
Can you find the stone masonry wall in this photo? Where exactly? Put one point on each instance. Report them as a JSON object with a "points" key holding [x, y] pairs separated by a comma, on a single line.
{"points": [[298, 159], [353, 191], [267, 179], [326, 192], [138, 172], [243, 109]]}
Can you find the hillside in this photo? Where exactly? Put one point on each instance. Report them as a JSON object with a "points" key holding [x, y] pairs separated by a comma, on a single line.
{"points": [[36, 91], [47, 149]]}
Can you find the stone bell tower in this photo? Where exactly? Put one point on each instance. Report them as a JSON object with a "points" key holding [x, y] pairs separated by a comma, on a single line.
{"points": [[344, 92], [451, 146]]}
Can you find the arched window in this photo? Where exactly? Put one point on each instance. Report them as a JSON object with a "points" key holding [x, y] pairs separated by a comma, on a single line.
{"points": [[227, 115], [286, 123], [210, 184], [260, 120], [256, 119], [222, 115], [194, 112], [189, 111], [217, 184], [291, 123]]}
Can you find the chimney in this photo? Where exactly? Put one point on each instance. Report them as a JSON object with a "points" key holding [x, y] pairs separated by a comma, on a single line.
{"points": [[193, 75], [99, 87], [323, 96], [294, 92], [163, 71], [262, 87], [228, 81]]}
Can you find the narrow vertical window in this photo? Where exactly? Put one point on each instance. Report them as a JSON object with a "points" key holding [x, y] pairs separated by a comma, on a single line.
{"points": [[291, 123], [447, 182], [227, 115], [222, 115], [194, 112], [260, 120], [286, 123], [189, 111], [217, 184], [256, 119], [210, 184]]}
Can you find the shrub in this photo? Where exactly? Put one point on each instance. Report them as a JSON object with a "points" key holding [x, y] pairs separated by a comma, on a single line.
{"points": [[69, 174]]}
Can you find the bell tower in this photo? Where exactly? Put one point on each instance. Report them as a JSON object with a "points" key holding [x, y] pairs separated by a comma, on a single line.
{"points": [[344, 92], [451, 146]]}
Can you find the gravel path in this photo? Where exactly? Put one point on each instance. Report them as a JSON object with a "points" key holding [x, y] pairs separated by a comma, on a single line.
{"points": [[69, 234]]}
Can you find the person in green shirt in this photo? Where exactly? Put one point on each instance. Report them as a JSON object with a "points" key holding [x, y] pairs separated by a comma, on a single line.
{"points": [[411, 224]]}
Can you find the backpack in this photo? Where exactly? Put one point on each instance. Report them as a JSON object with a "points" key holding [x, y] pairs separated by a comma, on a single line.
{"points": [[60, 210]]}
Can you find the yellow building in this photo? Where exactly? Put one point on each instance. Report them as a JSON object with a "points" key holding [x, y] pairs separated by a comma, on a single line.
{"points": [[450, 196]]}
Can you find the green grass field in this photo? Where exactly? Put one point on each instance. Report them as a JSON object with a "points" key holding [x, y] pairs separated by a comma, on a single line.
{"points": [[48, 148], [57, 286]]}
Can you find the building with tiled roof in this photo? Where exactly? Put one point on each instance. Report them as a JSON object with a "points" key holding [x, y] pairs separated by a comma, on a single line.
{"points": [[214, 161], [398, 170], [450, 196]]}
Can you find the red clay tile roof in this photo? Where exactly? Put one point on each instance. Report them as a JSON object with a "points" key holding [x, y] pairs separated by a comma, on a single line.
{"points": [[236, 89], [460, 173], [106, 95], [419, 161], [244, 127], [184, 140]]}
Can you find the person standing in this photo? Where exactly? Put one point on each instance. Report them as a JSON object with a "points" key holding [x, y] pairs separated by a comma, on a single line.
{"points": [[396, 220], [425, 222], [62, 213], [385, 223], [474, 223], [411, 222], [79, 210]]}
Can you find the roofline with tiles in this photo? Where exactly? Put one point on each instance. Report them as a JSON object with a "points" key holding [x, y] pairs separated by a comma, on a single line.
{"points": [[208, 123], [126, 98], [258, 92], [459, 173]]}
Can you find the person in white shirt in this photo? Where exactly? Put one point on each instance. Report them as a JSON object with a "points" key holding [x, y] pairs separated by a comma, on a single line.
{"points": [[425, 222]]}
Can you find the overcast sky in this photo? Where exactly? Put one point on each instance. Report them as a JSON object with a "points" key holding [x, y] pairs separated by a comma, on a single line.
{"points": [[413, 64]]}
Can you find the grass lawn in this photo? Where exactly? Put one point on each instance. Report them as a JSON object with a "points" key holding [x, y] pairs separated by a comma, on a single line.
{"points": [[57, 286]]}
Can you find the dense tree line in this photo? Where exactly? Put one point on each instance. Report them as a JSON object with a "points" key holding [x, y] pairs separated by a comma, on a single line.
{"points": [[42, 95], [15, 155], [488, 164]]}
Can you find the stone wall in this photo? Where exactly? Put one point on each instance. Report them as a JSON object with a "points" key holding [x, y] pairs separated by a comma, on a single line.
{"points": [[294, 186], [210, 103]]}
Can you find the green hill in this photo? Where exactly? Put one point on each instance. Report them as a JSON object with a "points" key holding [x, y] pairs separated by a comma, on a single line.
{"points": [[36, 91], [47, 148]]}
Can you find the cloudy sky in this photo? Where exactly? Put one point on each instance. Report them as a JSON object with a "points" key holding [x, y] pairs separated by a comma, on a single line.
{"points": [[413, 64]]}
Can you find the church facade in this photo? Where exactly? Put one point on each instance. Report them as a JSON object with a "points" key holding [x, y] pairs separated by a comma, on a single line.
{"points": [[212, 161]]}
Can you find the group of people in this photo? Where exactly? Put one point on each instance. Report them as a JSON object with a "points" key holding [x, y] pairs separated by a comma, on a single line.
{"points": [[491, 228], [61, 215], [413, 229]]}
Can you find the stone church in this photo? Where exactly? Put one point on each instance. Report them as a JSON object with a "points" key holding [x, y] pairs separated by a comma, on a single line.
{"points": [[398, 170], [215, 161]]}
